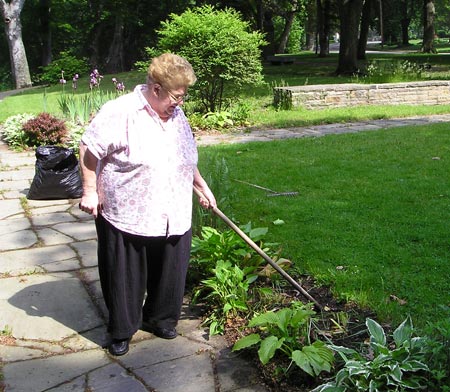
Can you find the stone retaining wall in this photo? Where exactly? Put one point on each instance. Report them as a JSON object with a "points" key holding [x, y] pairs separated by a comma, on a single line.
{"points": [[433, 92]]}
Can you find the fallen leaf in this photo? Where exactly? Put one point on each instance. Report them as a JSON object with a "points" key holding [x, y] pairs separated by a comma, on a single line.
{"points": [[399, 300]]}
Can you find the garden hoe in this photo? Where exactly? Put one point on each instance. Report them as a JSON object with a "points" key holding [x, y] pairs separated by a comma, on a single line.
{"points": [[250, 242]]}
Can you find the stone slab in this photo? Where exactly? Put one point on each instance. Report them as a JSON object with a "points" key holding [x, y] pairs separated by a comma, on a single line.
{"points": [[191, 374], [28, 259], [44, 374], [36, 306], [10, 208]]}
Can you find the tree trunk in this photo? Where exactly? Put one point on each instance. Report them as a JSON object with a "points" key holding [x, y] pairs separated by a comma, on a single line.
{"points": [[289, 20], [259, 15], [310, 28], [114, 61], [349, 15], [323, 27], [13, 29], [269, 30], [405, 21], [428, 27], [364, 33], [45, 33]]}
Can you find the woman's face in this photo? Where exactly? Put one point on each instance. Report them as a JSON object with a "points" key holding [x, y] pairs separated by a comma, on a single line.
{"points": [[167, 100]]}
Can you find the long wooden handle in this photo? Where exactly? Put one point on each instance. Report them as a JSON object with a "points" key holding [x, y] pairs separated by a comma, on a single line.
{"points": [[250, 242]]}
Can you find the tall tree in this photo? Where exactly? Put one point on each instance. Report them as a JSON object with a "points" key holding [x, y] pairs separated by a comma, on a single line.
{"points": [[349, 15], [406, 19], [114, 60], [13, 29], [323, 26], [45, 31], [288, 15], [428, 27], [366, 18]]}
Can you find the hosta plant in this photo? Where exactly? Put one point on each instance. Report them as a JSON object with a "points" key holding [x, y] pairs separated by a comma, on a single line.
{"points": [[287, 331], [385, 366]]}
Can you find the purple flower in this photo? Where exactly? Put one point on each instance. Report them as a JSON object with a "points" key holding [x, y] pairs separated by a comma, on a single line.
{"points": [[120, 87], [95, 79]]}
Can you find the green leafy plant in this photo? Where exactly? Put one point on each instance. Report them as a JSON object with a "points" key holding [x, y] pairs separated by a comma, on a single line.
{"points": [[386, 366], [288, 331], [13, 132], [65, 63], [75, 133], [438, 354], [213, 246], [220, 46], [218, 120], [46, 129], [228, 294]]}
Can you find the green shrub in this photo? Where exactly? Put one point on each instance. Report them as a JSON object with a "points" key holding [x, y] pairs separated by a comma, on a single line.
{"points": [[13, 132], [66, 66], [46, 129], [220, 46]]}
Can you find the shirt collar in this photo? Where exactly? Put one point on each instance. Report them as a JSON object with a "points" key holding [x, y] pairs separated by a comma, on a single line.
{"points": [[139, 90]]}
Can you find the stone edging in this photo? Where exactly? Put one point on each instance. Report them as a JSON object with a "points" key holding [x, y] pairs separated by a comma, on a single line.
{"points": [[434, 92]]}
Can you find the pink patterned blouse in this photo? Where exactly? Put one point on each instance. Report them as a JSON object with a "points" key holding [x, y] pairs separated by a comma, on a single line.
{"points": [[146, 167]]}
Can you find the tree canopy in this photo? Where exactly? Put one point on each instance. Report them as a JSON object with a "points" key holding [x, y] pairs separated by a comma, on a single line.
{"points": [[112, 35]]}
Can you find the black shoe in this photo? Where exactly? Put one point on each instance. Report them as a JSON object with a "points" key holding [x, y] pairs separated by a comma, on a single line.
{"points": [[164, 333], [119, 347]]}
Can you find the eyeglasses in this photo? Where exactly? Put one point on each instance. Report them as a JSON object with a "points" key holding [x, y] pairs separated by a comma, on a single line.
{"points": [[175, 98]]}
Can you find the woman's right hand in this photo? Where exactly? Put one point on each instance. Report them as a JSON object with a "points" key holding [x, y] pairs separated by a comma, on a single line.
{"points": [[89, 203]]}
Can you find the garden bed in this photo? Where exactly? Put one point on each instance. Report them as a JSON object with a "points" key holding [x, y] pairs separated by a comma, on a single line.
{"points": [[340, 322]]}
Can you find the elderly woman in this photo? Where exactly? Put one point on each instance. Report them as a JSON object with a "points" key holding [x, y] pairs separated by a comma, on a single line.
{"points": [[138, 160]]}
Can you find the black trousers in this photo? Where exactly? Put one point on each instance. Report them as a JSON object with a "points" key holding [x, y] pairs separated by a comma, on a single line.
{"points": [[135, 268]]}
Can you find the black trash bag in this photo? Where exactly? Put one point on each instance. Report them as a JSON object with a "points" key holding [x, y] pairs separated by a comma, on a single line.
{"points": [[57, 174]]}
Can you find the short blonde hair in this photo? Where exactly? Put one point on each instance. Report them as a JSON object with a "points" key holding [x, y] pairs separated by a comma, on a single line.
{"points": [[171, 71]]}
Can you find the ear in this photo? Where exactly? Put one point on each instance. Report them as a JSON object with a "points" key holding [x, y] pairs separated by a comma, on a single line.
{"points": [[156, 89]]}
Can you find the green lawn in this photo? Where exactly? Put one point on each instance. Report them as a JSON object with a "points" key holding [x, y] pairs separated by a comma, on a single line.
{"points": [[371, 218]]}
